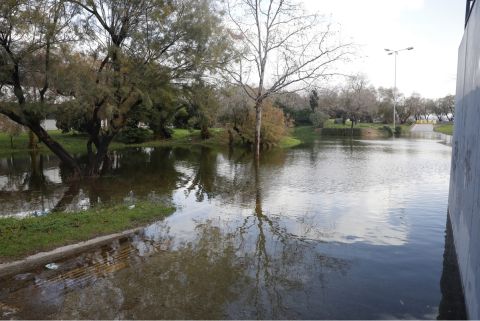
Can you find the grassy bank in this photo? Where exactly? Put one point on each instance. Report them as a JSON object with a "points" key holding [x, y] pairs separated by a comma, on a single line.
{"points": [[376, 126], [331, 124], [21, 237], [76, 143], [444, 129]]}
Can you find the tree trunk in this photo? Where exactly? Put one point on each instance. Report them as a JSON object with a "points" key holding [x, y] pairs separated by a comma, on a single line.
{"points": [[56, 148], [204, 132], [32, 142], [98, 162], [258, 127], [11, 142]]}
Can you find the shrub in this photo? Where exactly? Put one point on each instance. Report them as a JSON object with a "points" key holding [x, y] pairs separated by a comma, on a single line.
{"points": [[133, 135], [275, 126], [388, 129], [318, 118], [398, 131]]}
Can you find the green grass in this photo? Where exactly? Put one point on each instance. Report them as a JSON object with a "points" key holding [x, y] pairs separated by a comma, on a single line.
{"points": [[305, 134], [444, 129], [180, 133], [20, 237], [331, 124], [289, 142]]}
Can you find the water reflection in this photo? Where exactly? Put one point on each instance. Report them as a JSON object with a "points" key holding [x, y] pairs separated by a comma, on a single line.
{"points": [[336, 229], [452, 305]]}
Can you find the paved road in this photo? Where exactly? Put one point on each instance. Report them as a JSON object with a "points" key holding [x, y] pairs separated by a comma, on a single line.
{"points": [[422, 128]]}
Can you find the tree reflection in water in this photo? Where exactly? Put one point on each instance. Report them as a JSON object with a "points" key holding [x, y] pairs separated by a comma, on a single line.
{"points": [[224, 271], [245, 262]]}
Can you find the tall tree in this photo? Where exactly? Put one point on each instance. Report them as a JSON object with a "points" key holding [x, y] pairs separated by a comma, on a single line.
{"points": [[358, 99], [313, 99], [31, 31], [281, 46], [409, 107]]}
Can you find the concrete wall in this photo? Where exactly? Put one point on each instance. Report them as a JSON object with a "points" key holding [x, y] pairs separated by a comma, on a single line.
{"points": [[464, 198]]}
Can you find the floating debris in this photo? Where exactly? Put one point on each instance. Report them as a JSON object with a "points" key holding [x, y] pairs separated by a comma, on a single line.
{"points": [[52, 266]]}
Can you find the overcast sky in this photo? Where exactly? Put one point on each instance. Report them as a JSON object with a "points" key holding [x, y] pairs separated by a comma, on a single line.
{"points": [[433, 27]]}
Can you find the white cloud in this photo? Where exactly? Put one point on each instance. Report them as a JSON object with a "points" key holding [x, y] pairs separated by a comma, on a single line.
{"points": [[433, 27]]}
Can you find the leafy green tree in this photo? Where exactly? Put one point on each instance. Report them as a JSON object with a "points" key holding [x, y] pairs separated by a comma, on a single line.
{"points": [[190, 45], [32, 33], [203, 104]]}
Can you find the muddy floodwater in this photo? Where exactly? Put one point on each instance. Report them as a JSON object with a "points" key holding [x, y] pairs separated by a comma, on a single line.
{"points": [[335, 229]]}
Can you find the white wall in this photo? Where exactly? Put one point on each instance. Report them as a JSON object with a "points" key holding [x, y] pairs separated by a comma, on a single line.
{"points": [[464, 198]]}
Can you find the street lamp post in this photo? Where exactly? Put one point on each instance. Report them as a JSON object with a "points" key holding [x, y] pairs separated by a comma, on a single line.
{"points": [[395, 52]]}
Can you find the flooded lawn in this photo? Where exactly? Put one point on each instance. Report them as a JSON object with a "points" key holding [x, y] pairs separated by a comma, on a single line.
{"points": [[337, 229]]}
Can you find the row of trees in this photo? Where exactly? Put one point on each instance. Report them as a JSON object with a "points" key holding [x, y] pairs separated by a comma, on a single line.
{"points": [[360, 102]]}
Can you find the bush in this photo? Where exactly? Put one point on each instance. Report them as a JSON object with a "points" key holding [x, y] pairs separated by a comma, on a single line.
{"points": [[275, 126], [301, 116], [133, 135], [398, 131], [318, 118], [388, 129]]}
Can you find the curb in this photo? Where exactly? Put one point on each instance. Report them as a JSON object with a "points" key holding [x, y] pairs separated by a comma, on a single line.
{"points": [[42, 258]]}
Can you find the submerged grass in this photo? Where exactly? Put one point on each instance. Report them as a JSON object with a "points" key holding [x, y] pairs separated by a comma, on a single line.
{"points": [[21, 237]]}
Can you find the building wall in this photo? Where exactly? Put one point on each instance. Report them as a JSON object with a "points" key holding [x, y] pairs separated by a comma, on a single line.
{"points": [[464, 198], [49, 124]]}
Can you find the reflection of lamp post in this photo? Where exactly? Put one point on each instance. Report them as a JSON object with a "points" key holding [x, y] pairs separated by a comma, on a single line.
{"points": [[395, 52]]}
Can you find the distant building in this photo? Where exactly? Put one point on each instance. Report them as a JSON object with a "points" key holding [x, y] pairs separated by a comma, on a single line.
{"points": [[49, 124]]}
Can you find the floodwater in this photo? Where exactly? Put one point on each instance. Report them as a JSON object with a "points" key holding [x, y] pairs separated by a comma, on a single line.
{"points": [[335, 229]]}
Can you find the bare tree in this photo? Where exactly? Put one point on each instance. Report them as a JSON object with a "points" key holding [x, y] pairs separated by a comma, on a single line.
{"points": [[280, 46], [447, 106], [410, 106], [358, 100]]}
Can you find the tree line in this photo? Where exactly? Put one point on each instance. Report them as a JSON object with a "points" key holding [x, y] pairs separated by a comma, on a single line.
{"points": [[358, 101]]}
